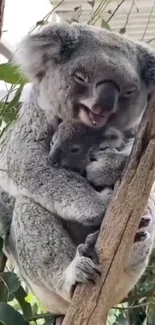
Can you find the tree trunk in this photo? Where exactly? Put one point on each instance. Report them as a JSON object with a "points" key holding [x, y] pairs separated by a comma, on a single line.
{"points": [[91, 303]]}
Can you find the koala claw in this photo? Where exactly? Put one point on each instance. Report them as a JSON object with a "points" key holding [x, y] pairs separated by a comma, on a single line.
{"points": [[91, 239], [87, 268], [143, 234], [145, 221]]}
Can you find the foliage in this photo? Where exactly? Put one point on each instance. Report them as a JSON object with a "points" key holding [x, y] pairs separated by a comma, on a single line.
{"points": [[16, 305]]}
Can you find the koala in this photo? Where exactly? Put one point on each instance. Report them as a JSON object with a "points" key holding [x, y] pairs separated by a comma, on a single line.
{"points": [[57, 212], [74, 142], [107, 164]]}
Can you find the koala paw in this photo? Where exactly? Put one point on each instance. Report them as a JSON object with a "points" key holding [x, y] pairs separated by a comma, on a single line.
{"points": [[84, 266], [106, 196], [143, 243]]}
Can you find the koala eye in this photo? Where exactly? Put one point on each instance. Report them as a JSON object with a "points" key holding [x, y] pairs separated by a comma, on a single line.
{"points": [[51, 143], [103, 148], [80, 78], [130, 92], [74, 149]]}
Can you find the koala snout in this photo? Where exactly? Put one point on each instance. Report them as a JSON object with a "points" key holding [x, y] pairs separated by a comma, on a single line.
{"points": [[107, 93], [55, 156]]}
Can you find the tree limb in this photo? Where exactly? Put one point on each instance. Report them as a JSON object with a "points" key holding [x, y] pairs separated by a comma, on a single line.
{"points": [[90, 304]]}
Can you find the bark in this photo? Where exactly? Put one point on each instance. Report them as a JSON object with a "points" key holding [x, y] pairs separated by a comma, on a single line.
{"points": [[91, 303]]}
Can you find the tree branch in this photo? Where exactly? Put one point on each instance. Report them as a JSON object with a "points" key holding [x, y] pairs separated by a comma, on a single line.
{"points": [[90, 304]]}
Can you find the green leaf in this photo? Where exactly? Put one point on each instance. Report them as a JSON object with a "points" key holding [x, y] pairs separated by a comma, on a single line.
{"points": [[16, 97], [9, 111], [41, 23], [9, 316], [11, 74], [11, 280], [20, 295], [91, 3], [4, 292], [104, 24], [1, 245]]}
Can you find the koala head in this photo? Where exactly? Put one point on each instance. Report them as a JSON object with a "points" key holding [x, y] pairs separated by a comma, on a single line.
{"points": [[70, 144], [89, 73], [75, 144]]}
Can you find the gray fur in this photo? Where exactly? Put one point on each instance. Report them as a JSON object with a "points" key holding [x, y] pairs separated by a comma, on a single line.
{"points": [[56, 209], [73, 144]]}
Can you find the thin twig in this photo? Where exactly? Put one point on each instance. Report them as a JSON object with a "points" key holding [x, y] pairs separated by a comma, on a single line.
{"points": [[97, 11], [112, 15], [40, 316], [141, 295], [46, 16], [129, 13], [135, 306]]}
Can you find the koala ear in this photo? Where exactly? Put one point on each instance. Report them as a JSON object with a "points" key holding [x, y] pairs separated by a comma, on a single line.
{"points": [[146, 57], [52, 42]]}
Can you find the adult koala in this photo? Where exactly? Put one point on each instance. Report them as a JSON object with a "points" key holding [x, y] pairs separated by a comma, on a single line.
{"points": [[102, 78]]}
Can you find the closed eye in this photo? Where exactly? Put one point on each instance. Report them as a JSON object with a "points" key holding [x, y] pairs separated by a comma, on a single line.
{"points": [[75, 149], [80, 78], [51, 143], [130, 91], [103, 148]]}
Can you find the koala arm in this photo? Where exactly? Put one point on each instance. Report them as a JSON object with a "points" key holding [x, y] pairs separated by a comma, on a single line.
{"points": [[106, 170], [29, 173]]}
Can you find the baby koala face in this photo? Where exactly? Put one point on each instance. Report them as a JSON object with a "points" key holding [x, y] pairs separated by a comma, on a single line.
{"points": [[73, 144], [70, 145]]}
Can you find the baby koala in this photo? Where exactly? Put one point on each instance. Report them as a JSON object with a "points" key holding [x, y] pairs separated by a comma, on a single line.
{"points": [[73, 144]]}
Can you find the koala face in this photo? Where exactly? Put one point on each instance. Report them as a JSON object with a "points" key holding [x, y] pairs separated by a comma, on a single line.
{"points": [[70, 145], [89, 73], [74, 144]]}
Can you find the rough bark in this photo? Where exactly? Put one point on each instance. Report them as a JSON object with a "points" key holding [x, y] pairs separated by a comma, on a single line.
{"points": [[91, 303]]}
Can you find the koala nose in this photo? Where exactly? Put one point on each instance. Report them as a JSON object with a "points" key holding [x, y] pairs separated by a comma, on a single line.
{"points": [[107, 93], [55, 156]]}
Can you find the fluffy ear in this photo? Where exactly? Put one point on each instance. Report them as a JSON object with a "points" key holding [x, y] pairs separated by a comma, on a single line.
{"points": [[52, 42], [146, 57]]}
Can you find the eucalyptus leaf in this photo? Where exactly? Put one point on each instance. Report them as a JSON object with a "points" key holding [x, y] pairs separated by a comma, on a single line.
{"points": [[9, 316], [91, 3], [11, 281], [76, 8], [1, 244], [122, 30], [104, 24], [10, 74], [16, 97], [20, 295], [4, 292]]}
